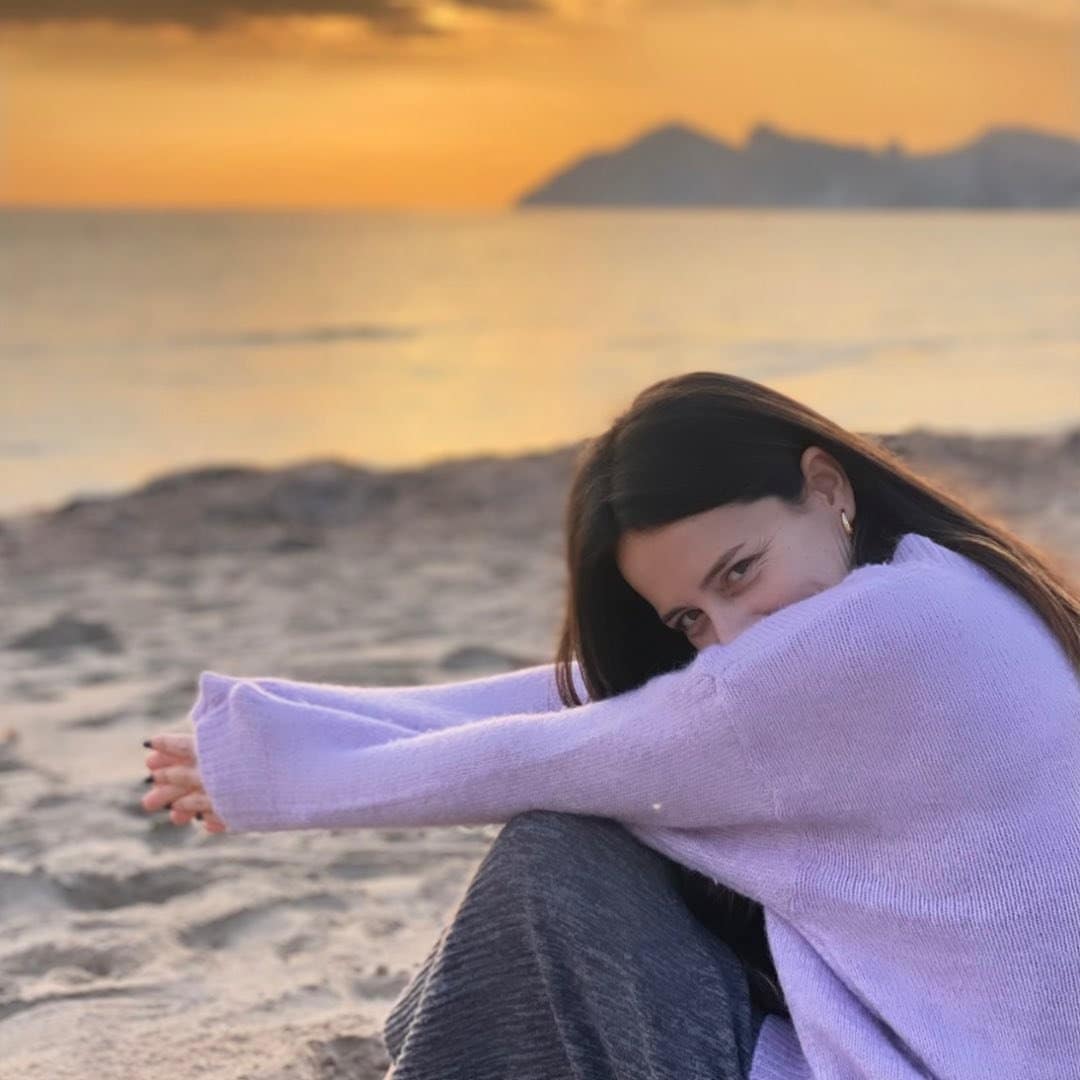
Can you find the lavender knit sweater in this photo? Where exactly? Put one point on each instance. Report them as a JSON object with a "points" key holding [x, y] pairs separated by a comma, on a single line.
{"points": [[891, 767]]}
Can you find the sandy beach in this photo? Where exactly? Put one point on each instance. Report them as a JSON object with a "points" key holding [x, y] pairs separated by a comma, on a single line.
{"points": [[129, 945]]}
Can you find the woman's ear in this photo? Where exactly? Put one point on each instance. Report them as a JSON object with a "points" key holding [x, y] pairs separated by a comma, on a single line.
{"points": [[824, 476]]}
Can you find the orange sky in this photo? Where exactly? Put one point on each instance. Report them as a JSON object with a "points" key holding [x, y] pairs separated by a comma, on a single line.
{"points": [[334, 110]]}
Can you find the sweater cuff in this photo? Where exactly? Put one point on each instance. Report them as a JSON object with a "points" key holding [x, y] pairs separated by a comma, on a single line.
{"points": [[230, 762]]}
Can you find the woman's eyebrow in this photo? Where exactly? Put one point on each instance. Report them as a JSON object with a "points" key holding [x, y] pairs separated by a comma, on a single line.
{"points": [[709, 575]]}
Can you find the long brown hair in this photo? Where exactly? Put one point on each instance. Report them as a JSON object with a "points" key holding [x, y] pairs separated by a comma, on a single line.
{"points": [[696, 441], [701, 440]]}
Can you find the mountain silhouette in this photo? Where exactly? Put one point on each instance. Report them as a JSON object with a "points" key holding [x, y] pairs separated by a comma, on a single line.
{"points": [[677, 165]]}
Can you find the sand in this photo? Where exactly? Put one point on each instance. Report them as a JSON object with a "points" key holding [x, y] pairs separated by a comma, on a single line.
{"points": [[131, 947]]}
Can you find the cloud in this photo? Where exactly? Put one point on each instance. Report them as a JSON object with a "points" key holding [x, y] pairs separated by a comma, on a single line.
{"points": [[396, 17]]}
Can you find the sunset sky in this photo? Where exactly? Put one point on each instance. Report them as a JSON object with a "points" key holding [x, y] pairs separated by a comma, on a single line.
{"points": [[441, 104]]}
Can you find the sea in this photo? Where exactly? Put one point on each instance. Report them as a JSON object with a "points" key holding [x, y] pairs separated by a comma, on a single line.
{"points": [[136, 342]]}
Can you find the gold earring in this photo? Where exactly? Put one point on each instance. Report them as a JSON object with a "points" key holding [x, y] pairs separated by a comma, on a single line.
{"points": [[848, 527]]}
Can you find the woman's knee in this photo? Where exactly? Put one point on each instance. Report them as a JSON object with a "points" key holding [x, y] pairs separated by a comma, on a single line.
{"points": [[554, 855], [534, 830], [546, 840]]}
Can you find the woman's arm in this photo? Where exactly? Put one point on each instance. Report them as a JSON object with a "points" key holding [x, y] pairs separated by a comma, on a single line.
{"points": [[433, 706], [270, 762], [668, 752], [789, 711]]}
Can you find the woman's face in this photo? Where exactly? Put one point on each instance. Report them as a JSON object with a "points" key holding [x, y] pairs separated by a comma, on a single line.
{"points": [[776, 556]]}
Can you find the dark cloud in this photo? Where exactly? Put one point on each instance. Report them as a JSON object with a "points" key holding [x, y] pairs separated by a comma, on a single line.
{"points": [[405, 17]]}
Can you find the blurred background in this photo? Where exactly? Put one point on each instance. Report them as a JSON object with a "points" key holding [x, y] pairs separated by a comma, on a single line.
{"points": [[257, 232], [306, 307]]}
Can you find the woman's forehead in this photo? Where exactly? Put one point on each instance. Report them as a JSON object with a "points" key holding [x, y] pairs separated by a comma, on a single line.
{"points": [[655, 555]]}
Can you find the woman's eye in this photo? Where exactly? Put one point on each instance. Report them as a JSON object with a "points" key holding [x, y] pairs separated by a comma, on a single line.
{"points": [[688, 628], [741, 562]]}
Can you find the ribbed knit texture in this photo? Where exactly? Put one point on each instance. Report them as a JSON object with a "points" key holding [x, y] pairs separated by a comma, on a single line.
{"points": [[891, 767]]}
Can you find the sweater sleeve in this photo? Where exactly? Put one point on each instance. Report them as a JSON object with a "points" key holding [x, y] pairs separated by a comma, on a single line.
{"points": [[670, 753], [270, 762], [430, 706]]}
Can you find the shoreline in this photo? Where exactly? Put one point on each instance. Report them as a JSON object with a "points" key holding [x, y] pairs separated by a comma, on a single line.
{"points": [[1029, 480]]}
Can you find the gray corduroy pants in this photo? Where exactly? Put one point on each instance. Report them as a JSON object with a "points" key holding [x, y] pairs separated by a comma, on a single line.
{"points": [[572, 956]]}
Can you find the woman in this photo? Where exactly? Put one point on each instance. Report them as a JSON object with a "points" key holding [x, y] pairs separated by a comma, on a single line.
{"points": [[797, 797]]}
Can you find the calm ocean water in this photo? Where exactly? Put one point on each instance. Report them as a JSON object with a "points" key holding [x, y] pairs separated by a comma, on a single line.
{"points": [[133, 343]]}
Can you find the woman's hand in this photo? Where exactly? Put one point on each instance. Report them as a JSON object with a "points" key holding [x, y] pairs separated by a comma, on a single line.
{"points": [[177, 783]]}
